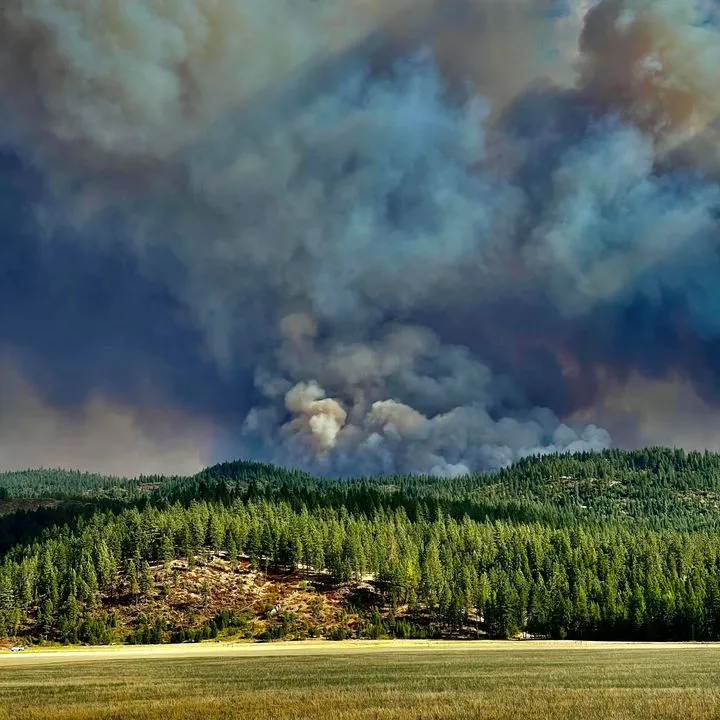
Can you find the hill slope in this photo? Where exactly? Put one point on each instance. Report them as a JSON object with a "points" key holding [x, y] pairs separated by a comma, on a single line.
{"points": [[614, 545]]}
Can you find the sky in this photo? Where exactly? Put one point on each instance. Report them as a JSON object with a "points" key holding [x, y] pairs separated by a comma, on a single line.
{"points": [[356, 236]]}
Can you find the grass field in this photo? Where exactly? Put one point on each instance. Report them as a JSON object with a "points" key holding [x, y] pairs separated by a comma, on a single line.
{"points": [[398, 680]]}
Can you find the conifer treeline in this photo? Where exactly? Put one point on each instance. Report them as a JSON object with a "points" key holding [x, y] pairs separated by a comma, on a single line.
{"points": [[590, 582], [609, 545], [657, 488]]}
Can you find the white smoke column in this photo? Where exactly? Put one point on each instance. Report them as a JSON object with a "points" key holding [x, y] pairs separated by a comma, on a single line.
{"points": [[398, 419], [321, 417]]}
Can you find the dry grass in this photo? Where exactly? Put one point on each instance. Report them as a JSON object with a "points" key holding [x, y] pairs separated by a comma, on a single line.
{"points": [[386, 681], [202, 590]]}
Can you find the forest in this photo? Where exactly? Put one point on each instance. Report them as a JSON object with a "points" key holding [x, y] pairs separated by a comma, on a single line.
{"points": [[614, 545]]}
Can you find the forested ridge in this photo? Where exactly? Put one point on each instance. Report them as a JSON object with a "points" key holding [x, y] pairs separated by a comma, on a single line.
{"points": [[616, 545]]}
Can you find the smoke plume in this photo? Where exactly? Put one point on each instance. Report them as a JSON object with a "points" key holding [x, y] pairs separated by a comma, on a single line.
{"points": [[360, 236]]}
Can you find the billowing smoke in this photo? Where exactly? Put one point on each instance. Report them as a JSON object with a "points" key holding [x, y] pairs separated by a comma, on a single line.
{"points": [[441, 424], [408, 236]]}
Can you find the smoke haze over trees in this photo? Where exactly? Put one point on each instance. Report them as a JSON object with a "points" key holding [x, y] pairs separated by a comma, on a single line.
{"points": [[356, 236]]}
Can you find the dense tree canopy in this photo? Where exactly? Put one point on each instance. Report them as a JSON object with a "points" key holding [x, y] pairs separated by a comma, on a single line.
{"points": [[614, 545]]}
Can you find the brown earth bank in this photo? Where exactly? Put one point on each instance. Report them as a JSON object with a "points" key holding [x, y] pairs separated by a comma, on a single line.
{"points": [[7, 507], [212, 597]]}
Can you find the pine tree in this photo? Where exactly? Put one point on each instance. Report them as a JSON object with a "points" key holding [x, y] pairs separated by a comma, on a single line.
{"points": [[7, 596], [432, 576], [47, 586], [147, 581], [132, 576], [46, 619], [231, 545], [167, 551]]}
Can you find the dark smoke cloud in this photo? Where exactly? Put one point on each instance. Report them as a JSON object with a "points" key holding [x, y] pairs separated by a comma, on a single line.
{"points": [[329, 235]]}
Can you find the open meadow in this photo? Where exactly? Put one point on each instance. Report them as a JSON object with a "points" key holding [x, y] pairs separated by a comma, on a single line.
{"points": [[344, 681]]}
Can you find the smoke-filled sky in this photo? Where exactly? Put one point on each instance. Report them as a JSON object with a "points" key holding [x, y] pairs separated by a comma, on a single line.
{"points": [[356, 236]]}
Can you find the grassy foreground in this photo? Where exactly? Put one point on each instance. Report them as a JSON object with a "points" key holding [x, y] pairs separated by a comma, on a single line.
{"points": [[346, 681]]}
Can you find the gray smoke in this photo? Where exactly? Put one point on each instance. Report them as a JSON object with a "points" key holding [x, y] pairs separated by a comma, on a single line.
{"points": [[348, 201], [404, 403]]}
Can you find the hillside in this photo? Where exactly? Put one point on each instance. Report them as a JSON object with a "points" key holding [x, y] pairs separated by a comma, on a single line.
{"points": [[614, 545]]}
